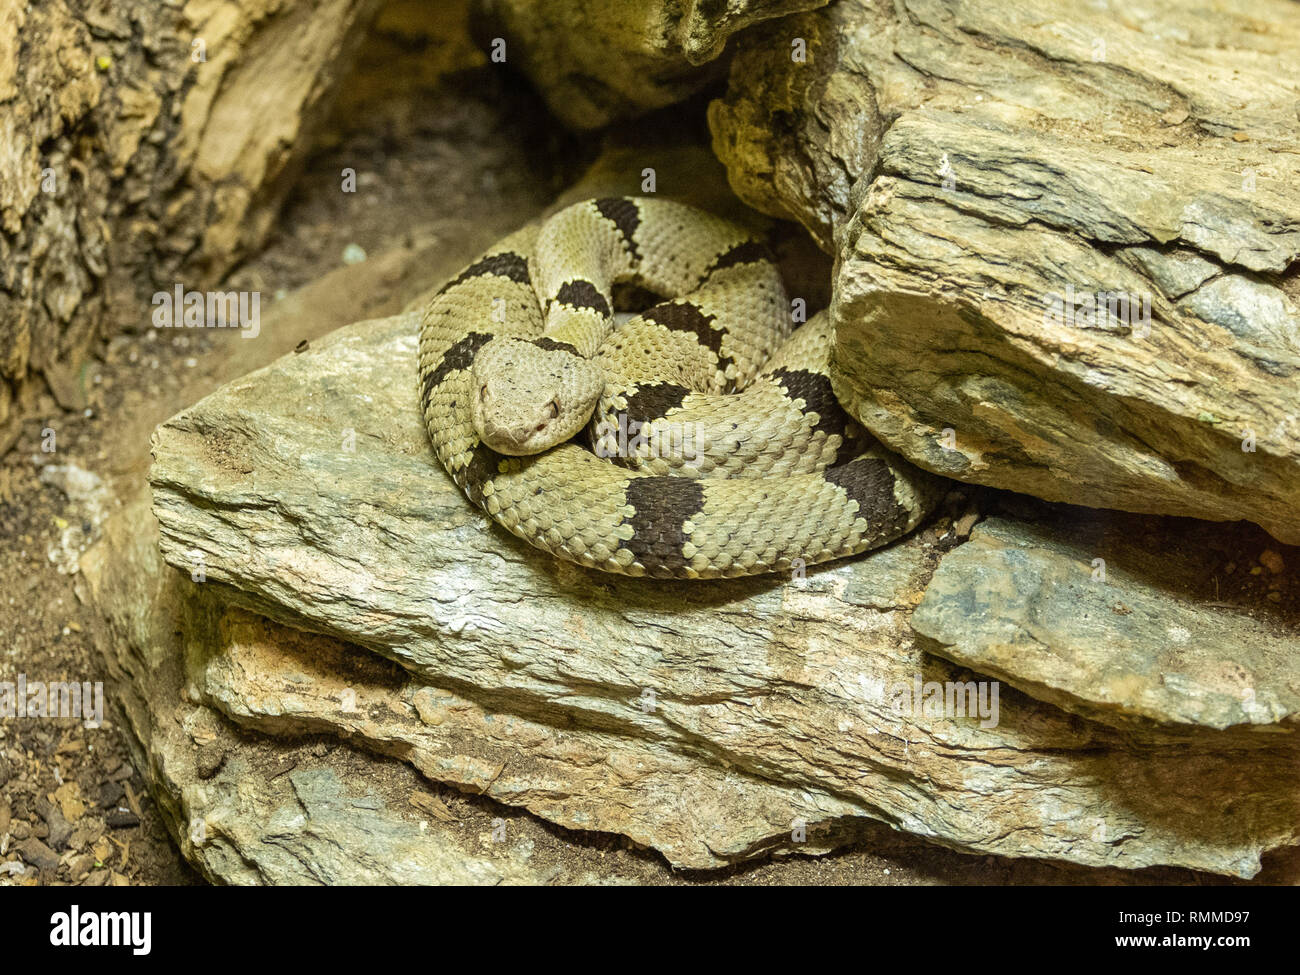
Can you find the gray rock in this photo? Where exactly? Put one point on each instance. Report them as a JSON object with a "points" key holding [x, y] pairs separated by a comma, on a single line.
{"points": [[121, 818], [60, 829], [218, 787], [697, 814], [831, 120], [597, 62], [1113, 631], [110, 793], [37, 854], [274, 812], [319, 831], [967, 166], [230, 799], [638, 702]]}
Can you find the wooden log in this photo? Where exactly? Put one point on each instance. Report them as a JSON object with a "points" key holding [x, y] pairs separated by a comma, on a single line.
{"points": [[142, 144]]}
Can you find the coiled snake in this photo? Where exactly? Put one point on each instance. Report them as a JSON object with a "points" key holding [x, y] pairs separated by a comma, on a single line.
{"points": [[722, 450]]}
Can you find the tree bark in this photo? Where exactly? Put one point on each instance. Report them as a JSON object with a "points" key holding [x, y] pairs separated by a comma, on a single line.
{"points": [[143, 143]]}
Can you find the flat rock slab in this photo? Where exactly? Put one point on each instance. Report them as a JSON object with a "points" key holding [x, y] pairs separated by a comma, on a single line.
{"points": [[252, 810], [1111, 630], [315, 828], [285, 682], [307, 493]]}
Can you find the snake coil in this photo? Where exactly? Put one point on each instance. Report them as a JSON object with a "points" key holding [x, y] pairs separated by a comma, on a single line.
{"points": [[718, 448]]}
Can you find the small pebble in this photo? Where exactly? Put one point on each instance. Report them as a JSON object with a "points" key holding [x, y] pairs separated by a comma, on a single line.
{"points": [[60, 830], [110, 793], [37, 854], [80, 865], [121, 818], [1272, 560]]}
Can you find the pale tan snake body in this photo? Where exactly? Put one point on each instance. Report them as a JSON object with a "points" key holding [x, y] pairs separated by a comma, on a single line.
{"points": [[696, 480]]}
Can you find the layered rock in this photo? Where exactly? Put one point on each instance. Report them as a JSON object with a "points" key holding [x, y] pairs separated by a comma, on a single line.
{"points": [[287, 683], [1098, 620], [711, 722], [1066, 258], [595, 63], [796, 129], [250, 811]]}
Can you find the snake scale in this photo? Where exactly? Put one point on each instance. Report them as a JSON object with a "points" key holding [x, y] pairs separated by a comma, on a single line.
{"points": [[715, 445]]}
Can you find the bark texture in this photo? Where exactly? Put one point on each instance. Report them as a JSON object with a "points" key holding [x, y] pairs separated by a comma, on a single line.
{"points": [[143, 144]]}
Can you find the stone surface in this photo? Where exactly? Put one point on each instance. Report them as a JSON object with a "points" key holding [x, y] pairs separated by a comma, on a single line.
{"points": [[598, 62], [789, 687], [227, 794], [249, 809], [981, 170], [1112, 629], [285, 682], [796, 135], [38, 854], [259, 811]]}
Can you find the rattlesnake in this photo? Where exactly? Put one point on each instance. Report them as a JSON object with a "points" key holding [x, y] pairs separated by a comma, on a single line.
{"points": [[520, 352]]}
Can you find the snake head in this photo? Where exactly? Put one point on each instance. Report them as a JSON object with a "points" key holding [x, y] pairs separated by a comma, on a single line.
{"points": [[529, 395]]}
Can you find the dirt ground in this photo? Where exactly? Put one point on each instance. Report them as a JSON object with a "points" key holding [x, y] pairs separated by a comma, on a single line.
{"points": [[72, 808]]}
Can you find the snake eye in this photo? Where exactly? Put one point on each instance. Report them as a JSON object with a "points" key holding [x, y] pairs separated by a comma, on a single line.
{"points": [[554, 407], [482, 392]]}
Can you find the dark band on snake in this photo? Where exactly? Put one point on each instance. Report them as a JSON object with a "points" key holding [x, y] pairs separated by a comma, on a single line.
{"points": [[727, 484]]}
